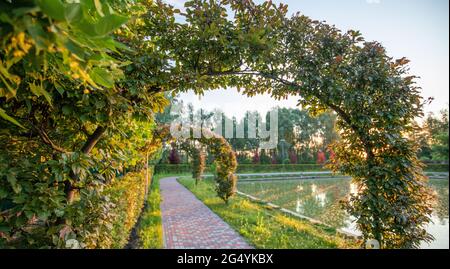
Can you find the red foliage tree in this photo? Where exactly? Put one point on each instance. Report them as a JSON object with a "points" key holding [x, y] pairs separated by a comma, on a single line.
{"points": [[321, 159], [293, 157], [274, 158], [174, 157], [256, 159], [332, 154]]}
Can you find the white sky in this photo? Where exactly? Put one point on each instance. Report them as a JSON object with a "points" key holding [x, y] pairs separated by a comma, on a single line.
{"points": [[416, 29]]}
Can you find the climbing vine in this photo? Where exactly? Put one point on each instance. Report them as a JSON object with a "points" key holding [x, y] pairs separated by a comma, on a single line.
{"points": [[225, 163], [224, 158], [198, 164]]}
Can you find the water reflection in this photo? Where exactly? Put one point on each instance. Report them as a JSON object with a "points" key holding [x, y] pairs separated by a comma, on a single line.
{"points": [[320, 199]]}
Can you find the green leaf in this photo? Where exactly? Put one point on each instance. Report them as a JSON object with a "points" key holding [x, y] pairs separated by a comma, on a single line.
{"points": [[10, 119], [39, 90], [53, 8], [73, 47], [43, 215], [29, 214], [59, 212], [38, 34], [84, 117], [98, 6], [73, 12], [4, 74], [13, 181], [59, 88], [102, 77], [109, 23], [3, 193], [67, 110], [5, 229], [85, 27]]}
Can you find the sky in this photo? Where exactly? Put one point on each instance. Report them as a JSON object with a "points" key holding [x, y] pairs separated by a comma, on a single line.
{"points": [[416, 29]]}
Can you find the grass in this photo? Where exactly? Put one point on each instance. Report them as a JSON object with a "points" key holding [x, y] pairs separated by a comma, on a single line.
{"points": [[150, 231], [267, 228], [150, 226]]}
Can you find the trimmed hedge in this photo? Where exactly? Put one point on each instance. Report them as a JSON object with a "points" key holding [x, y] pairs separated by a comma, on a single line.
{"points": [[175, 169], [119, 210], [128, 194], [242, 168], [249, 168], [436, 167]]}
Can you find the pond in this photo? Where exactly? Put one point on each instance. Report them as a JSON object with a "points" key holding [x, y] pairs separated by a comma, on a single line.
{"points": [[319, 199]]}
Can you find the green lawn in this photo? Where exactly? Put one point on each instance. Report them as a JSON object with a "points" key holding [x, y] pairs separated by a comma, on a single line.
{"points": [[264, 227]]}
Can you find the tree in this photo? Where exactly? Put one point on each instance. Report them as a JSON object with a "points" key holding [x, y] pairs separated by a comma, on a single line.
{"points": [[198, 164], [256, 159], [321, 159], [75, 88], [436, 134], [440, 148], [73, 111], [373, 96], [293, 157], [174, 157]]}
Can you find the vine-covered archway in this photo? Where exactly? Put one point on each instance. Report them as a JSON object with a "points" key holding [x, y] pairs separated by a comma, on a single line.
{"points": [[262, 50], [224, 157]]}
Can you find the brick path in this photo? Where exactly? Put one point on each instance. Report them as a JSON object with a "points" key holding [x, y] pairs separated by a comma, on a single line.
{"points": [[189, 224]]}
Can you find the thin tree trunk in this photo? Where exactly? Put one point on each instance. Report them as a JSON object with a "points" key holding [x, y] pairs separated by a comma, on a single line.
{"points": [[93, 139], [86, 149]]}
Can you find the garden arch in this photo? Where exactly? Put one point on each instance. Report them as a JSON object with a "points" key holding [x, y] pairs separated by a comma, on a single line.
{"points": [[261, 50], [224, 157]]}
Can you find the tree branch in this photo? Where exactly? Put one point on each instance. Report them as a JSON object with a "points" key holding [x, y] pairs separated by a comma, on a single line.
{"points": [[44, 136], [336, 108], [69, 187], [93, 139]]}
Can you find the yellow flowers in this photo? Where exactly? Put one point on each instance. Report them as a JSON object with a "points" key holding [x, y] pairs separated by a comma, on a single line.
{"points": [[86, 91], [73, 64], [51, 49], [18, 53], [19, 45], [77, 71]]}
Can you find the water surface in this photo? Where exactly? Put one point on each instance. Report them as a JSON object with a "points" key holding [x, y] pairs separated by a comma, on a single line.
{"points": [[320, 199]]}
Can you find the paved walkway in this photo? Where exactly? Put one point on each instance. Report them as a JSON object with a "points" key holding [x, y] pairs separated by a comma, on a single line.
{"points": [[189, 224]]}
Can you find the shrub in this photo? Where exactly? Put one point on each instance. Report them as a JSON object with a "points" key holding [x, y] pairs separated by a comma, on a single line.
{"points": [[225, 166], [174, 157], [107, 217], [174, 168], [244, 159], [293, 159], [436, 167], [198, 164], [242, 168], [256, 159]]}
